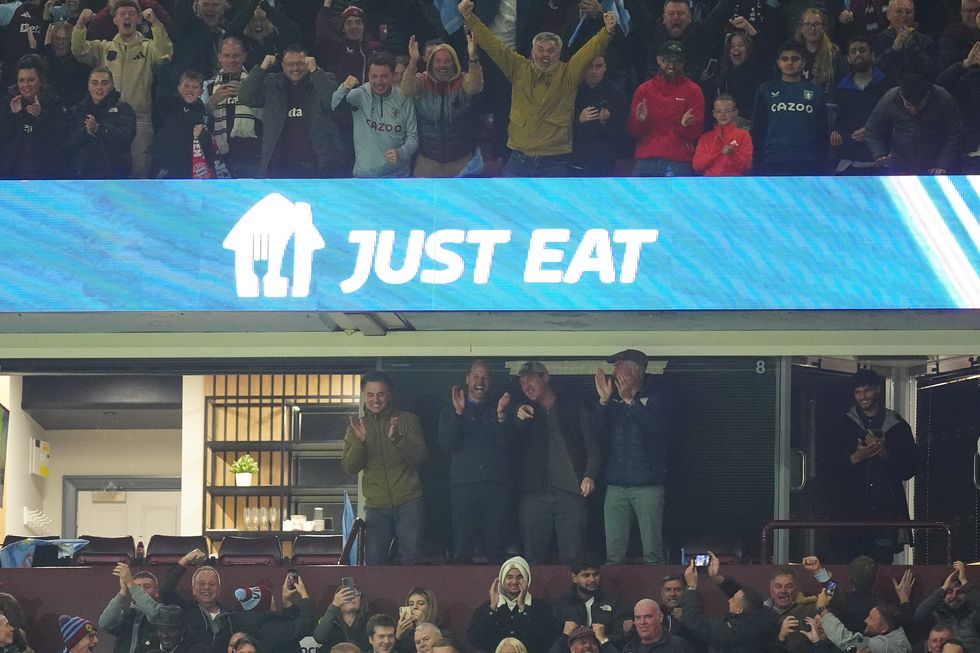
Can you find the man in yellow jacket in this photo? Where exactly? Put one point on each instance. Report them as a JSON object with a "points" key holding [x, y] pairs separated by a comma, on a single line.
{"points": [[132, 60], [388, 446], [542, 96]]}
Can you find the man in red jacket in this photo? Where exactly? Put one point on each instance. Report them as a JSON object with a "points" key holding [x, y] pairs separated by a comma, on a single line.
{"points": [[725, 151], [666, 118]]}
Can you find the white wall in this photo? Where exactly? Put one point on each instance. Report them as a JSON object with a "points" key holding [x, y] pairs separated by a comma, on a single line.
{"points": [[192, 456], [20, 487], [100, 452]]}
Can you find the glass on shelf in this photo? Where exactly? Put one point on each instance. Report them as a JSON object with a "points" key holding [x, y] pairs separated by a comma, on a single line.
{"points": [[263, 519], [274, 524], [249, 518]]}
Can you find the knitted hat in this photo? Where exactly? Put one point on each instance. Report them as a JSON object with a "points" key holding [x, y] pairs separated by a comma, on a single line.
{"points": [[252, 598], [357, 12], [74, 630]]}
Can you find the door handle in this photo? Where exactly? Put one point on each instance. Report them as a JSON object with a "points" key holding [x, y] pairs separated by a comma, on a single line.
{"points": [[804, 470]]}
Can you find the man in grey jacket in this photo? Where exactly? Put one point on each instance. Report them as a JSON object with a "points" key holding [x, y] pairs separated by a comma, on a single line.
{"points": [[915, 129], [299, 137], [125, 615], [883, 630], [956, 605]]}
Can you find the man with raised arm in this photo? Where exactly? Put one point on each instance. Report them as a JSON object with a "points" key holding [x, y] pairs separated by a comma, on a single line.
{"points": [[133, 61], [203, 614], [299, 136], [542, 97]]}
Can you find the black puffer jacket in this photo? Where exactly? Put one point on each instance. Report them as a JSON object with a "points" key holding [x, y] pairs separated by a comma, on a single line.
{"points": [[32, 147], [106, 155]]}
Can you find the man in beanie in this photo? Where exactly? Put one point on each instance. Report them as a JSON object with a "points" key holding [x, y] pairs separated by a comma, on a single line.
{"points": [[280, 631], [635, 420], [170, 632], [560, 462], [512, 612], [78, 633], [341, 46]]}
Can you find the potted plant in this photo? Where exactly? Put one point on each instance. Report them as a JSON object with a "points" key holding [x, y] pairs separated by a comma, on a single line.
{"points": [[244, 468]]}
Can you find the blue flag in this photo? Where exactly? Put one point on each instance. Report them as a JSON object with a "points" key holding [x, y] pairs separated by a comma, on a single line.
{"points": [[347, 525], [21, 553], [449, 14], [615, 6]]}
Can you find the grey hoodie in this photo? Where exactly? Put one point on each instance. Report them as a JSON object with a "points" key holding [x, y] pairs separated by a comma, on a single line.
{"points": [[381, 123], [894, 641]]}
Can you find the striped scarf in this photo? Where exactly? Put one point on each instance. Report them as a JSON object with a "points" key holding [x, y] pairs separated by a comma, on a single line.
{"points": [[243, 125]]}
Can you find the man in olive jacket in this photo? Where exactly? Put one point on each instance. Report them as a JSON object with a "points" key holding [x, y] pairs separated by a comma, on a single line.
{"points": [[542, 95], [388, 446]]}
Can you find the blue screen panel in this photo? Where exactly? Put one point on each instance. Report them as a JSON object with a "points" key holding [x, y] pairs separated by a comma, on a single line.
{"points": [[491, 245]]}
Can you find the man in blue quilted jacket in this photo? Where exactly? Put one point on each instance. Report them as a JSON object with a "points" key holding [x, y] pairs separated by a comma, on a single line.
{"points": [[635, 421]]}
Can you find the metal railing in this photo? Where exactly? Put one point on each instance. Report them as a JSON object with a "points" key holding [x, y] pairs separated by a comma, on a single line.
{"points": [[793, 524]]}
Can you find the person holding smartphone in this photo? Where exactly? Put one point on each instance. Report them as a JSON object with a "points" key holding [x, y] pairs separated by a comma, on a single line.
{"points": [[871, 455], [345, 619]]}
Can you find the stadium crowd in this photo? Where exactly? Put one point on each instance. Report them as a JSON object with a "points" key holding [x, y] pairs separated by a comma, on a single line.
{"points": [[846, 614], [108, 89]]}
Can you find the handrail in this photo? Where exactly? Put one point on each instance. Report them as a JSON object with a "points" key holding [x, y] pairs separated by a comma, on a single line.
{"points": [[359, 528], [795, 524]]}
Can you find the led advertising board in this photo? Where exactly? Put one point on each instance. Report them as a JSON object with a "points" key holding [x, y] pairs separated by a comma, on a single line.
{"points": [[491, 245]]}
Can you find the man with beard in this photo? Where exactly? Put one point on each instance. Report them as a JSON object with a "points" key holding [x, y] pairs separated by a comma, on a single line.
{"points": [[542, 95], [387, 444], [954, 605], [299, 137], [559, 463], [133, 61], [385, 127], [857, 95], [871, 455], [748, 627], [883, 629], [513, 612], [698, 38], [170, 632], [478, 445], [649, 633], [671, 590], [789, 121], [587, 604], [444, 102]]}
